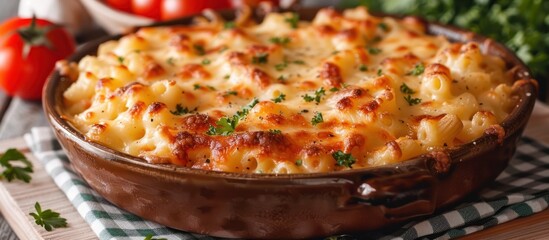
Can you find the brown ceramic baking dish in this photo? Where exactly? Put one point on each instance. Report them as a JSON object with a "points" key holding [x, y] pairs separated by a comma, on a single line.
{"points": [[295, 206]]}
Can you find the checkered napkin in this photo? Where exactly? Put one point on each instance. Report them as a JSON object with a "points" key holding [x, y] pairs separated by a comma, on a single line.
{"points": [[521, 190]]}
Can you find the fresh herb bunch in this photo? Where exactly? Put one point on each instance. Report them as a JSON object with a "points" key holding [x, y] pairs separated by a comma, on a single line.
{"points": [[521, 25]]}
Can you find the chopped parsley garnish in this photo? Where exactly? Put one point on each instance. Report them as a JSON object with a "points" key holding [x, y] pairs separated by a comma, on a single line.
{"points": [[298, 162], [300, 62], [280, 98], [170, 61], [180, 110], [229, 25], [196, 86], [227, 76], [15, 172], [47, 218], [379, 72], [223, 49], [374, 51], [241, 114], [293, 20], [260, 58], [230, 92], [211, 88], [280, 40], [199, 49], [363, 68], [412, 101], [227, 125], [120, 59], [275, 131], [317, 119], [334, 89], [206, 61], [405, 89], [343, 159], [317, 97], [281, 78], [418, 70], [383, 26], [224, 126], [281, 66]]}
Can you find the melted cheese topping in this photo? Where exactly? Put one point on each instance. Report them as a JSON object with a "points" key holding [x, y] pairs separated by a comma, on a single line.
{"points": [[347, 90]]}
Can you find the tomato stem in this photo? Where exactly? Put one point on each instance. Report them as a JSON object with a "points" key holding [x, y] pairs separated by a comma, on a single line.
{"points": [[35, 36]]}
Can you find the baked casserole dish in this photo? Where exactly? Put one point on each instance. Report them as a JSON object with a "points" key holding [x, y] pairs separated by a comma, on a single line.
{"points": [[289, 125]]}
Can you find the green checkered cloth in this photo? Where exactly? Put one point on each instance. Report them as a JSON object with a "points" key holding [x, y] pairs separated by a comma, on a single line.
{"points": [[521, 190]]}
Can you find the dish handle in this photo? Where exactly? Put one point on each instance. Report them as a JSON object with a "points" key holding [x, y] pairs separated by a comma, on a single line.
{"points": [[408, 191]]}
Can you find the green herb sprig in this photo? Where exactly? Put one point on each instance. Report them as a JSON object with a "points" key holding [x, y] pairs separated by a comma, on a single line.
{"points": [[225, 126], [317, 96], [344, 159], [47, 218], [20, 171]]}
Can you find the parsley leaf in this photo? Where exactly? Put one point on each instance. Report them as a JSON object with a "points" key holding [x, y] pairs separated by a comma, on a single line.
{"points": [[300, 62], [363, 68], [298, 162], [196, 86], [379, 72], [275, 131], [150, 237], [405, 89], [281, 66], [180, 110], [120, 59], [15, 172], [229, 25], [293, 20], [343, 159], [317, 97], [418, 69], [199, 49], [206, 61], [260, 58], [227, 125], [383, 26], [280, 98], [412, 101], [231, 92], [283, 41], [246, 109], [317, 119], [334, 89], [224, 126], [170, 61], [48, 218], [374, 51]]}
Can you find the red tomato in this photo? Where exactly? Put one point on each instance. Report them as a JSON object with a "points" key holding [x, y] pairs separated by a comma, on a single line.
{"points": [[147, 8], [179, 8], [253, 3], [28, 53], [122, 5]]}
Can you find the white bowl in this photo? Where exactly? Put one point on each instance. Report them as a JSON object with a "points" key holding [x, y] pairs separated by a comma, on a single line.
{"points": [[112, 20]]}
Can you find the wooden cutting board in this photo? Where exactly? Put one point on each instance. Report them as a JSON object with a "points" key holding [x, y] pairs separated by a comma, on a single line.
{"points": [[17, 200]]}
